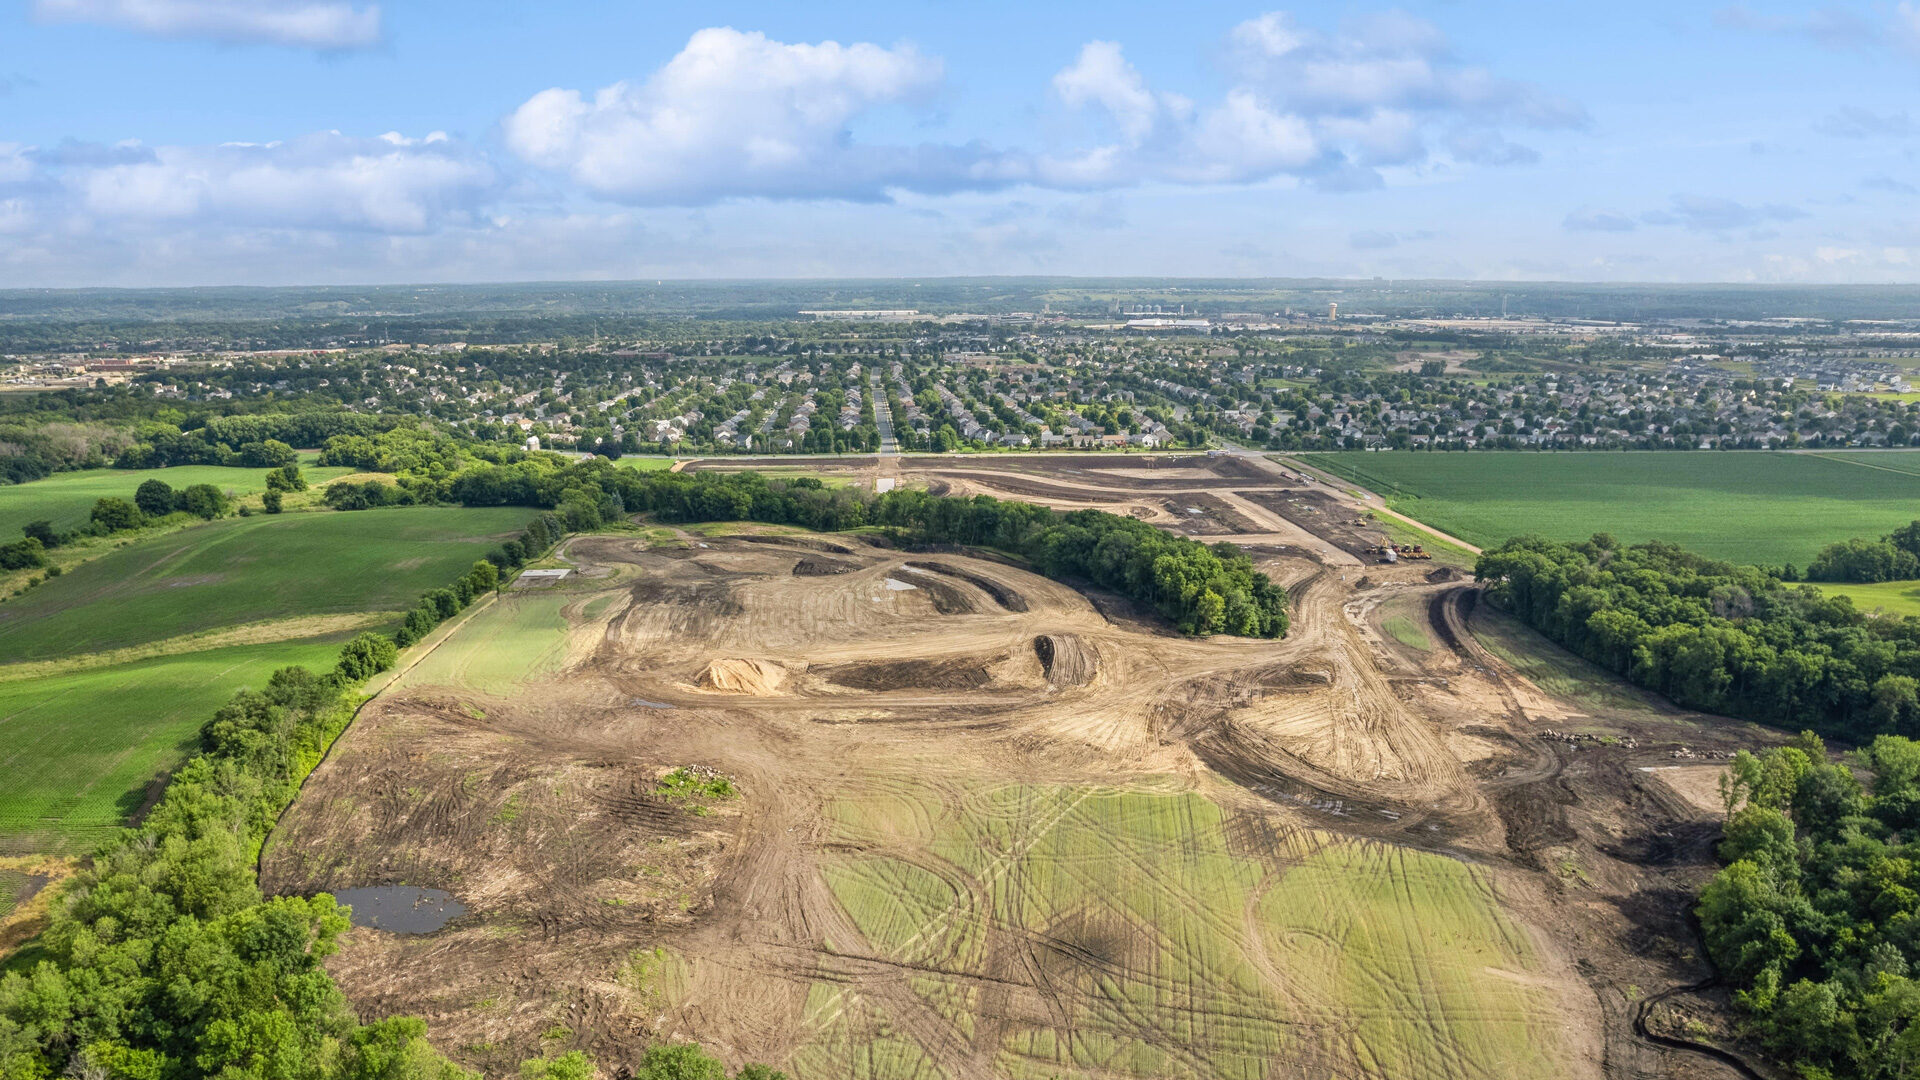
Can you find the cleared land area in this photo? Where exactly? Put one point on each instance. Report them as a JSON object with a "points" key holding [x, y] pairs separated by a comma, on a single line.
{"points": [[1770, 508], [246, 570], [982, 823], [67, 498], [960, 852]]}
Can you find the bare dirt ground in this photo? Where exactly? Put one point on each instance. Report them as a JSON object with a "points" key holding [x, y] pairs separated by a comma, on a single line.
{"points": [[818, 672]]}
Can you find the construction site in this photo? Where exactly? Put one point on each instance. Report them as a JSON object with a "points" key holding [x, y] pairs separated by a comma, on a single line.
{"points": [[860, 811]]}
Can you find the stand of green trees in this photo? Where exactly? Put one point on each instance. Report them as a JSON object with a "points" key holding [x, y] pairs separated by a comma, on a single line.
{"points": [[1202, 589], [1815, 920], [1714, 636], [1894, 557]]}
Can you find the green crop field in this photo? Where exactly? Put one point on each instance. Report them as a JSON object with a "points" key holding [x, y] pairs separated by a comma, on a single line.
{"points": [[1761, 507], [66, 498], [79, 749], [1174, 941], [243, 570]]}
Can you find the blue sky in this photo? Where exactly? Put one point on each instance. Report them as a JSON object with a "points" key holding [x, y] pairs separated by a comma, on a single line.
{"points": [[175, 142]]}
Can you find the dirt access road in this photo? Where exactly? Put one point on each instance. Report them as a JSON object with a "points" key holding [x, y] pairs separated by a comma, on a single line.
{"points": [[992, 825]]}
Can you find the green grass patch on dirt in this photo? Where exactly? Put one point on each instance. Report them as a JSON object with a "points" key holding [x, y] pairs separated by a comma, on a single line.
{"points": [[78, 750], [1745, 506], [1553, 669], [687, 783], [516, 639], [1175, 939], [646, 464], [245, 570], [1405, 960], [1405, 630], [67, 498]]}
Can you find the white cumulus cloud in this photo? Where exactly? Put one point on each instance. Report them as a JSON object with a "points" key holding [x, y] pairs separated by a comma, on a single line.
{"points": [[740, 115], [310, 24], [1328, 107], [1166, 137]]}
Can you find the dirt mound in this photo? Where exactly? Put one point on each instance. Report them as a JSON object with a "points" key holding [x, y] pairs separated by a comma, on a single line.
{"points": [[1002, 595], [1441, 574], [961, 673], [813, 566], [1068, 660], [760, 678]]}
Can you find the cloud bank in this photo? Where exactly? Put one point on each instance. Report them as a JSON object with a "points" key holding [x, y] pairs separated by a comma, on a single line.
{"points": [[303, 24]]}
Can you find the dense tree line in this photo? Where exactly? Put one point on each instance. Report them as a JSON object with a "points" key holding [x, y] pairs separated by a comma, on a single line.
{"points": [[1815, 919], [1714, 636], [35, 450], [163, 961], [1894, 557], [1202, 589], [130, 428]]}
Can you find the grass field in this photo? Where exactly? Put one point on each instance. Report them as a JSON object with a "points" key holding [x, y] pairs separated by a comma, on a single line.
{"points": [[1887, 597], [79, 749], [646, 464], [514, 640], [66, 498], [1180, 942], [1759, 507], [243, 570], [12, 884]]}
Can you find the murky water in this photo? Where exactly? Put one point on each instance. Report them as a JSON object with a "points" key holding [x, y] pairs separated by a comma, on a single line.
{"points": [[900, 586], [401, 909]]}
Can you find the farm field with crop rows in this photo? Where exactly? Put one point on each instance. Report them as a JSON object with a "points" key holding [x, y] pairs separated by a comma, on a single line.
{"points": [[1759, 507], [244, 570], [79, 749]]}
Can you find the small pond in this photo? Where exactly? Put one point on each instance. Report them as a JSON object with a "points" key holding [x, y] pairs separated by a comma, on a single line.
{"points": [[401, 909]]}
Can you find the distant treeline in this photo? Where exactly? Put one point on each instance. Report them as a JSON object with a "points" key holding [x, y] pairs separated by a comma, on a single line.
{"points": [[1715, 636], [97, 317], [1201, 589], [63, 436]]}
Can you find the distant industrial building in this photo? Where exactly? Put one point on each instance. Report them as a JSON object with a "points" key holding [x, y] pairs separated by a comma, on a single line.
{"points": [[883, 315], [1198, 326]]}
